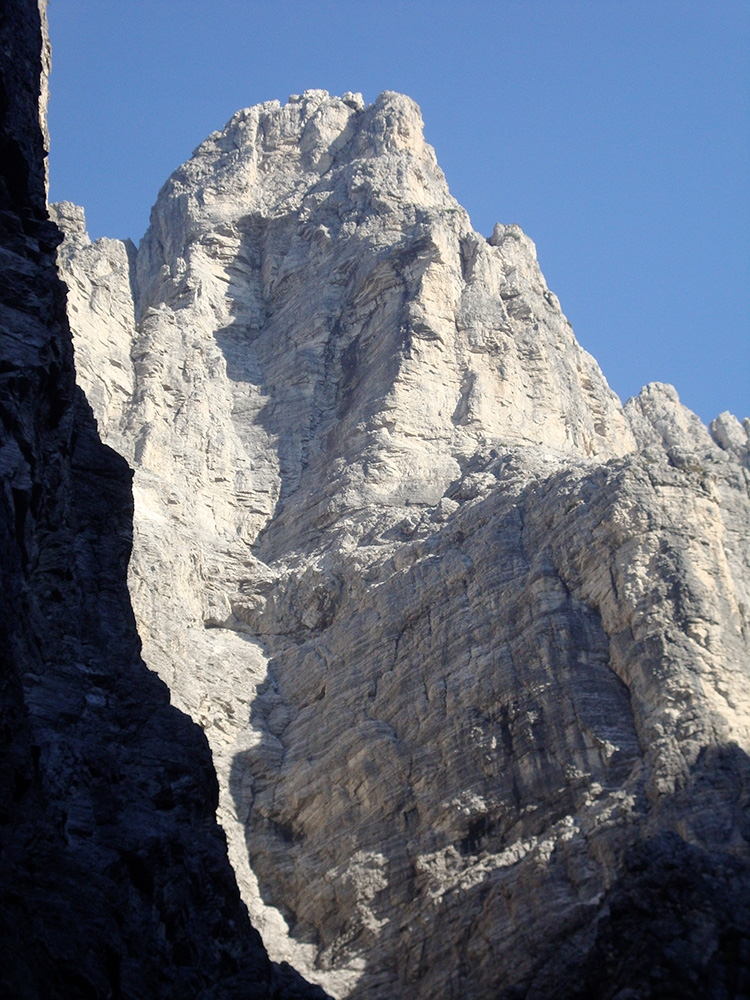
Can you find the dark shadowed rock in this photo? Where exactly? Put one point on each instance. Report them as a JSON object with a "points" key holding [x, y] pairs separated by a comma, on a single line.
{"points": [[113, 872]]}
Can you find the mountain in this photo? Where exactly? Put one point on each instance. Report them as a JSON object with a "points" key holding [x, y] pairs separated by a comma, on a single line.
{"points": [[467, 637]]}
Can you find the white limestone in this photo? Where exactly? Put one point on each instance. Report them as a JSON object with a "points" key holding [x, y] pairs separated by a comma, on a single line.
{"points": [[458, 627]]}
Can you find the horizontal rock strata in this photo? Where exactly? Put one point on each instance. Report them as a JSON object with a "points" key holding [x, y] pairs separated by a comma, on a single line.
{"points": [[469, 640]]}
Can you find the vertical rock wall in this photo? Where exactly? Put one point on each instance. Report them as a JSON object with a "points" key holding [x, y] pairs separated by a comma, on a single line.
{"points": [[113, 871]]}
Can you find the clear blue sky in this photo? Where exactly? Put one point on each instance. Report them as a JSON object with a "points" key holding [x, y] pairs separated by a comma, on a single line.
{"points": [[615, 132]]}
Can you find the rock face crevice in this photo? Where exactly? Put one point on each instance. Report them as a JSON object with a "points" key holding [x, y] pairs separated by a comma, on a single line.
{"points": [[468, 639], [114, 873]]}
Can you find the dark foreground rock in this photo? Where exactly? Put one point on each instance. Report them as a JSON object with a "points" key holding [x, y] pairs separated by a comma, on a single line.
{"points": [[114, 877]]}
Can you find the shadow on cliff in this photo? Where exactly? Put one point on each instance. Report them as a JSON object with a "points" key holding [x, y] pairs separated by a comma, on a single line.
{"points": [[257, 359], [675, 922], [322, 335]]}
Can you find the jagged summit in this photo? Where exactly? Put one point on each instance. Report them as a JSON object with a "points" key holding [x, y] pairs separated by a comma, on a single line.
{"points": [[464, 633], [308, 237], [317, 156]]}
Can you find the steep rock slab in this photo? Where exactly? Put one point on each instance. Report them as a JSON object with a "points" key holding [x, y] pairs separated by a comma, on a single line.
{"points": [[461, 631], [113, 871]]}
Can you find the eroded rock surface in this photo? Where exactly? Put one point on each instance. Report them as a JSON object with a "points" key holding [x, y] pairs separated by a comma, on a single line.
{"points": [[465, 635]]}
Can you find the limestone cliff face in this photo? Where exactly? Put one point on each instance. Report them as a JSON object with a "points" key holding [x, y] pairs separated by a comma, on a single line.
{"points": [[114, 878], [469, 640]]}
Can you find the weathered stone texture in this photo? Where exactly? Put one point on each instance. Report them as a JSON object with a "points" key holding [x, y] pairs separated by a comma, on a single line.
{"points": [[462, 631]]}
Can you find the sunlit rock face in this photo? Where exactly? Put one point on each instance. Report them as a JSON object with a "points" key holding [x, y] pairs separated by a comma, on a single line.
{"points": [[469, 640]]}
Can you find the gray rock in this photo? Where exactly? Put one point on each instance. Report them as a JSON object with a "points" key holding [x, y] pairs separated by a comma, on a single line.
{"points": [[462, 631], [731, 435]]}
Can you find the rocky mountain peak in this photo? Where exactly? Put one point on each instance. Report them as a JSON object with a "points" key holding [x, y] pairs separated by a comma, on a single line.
{"points": [[316, 242], [468, 639]]}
